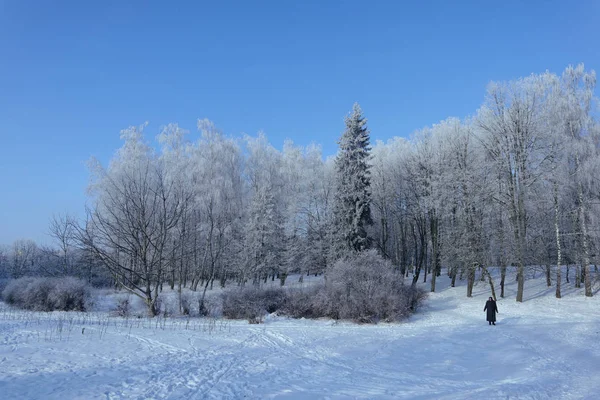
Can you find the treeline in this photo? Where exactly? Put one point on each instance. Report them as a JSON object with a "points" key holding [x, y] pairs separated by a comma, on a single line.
{"points": [[512, 186], [26, 258]]}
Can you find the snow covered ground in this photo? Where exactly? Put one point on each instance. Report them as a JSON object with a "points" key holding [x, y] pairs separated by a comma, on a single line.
{"points": [[541, 349]]}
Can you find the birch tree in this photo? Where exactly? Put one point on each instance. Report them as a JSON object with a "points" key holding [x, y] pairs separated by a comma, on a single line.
{"points": [[135, 210], [578, 89], [62, 229]]}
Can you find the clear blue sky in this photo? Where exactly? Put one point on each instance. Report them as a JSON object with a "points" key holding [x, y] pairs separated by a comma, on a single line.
{"points": [[72, 74]]}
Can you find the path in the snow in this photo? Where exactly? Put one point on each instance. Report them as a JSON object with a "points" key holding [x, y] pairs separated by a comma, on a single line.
{"points": [[543, 348]]}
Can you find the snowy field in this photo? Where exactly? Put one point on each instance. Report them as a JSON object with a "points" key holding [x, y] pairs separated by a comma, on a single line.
{"points": [[543, 348]]}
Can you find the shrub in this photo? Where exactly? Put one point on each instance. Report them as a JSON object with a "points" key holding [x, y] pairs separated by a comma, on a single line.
{"points": [[68, 294], [212, 306], [185, 303], [47, 294], [14, 291], [123, 308], [252, 303], [301, 302], [365, 288], [159, 306], [362, 287]]}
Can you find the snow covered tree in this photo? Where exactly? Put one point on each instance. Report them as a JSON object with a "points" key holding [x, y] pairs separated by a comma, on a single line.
{"points": [[264, 240], [62, 229], [23, 258], [316, 191], [517, 146], [391, 192], [218, 192], [265, 227], [577, 97], [464, 180], [137, 207], [352, 203], [388, 161]]}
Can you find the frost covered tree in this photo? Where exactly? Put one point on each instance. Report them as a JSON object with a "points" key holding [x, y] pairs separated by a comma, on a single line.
{"points": [[418, 170], [130, 228], [316, 190], [388, 160], [352, 202], [264, 242], [23, 258], [62, 230], [464, 180], [516, 145], [577, 124], [217, 183], [391, 213]]}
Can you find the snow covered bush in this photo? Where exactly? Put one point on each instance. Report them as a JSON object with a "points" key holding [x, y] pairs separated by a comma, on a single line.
{"points": [[252, 303], [123, 308], [211, 306], [301, 302], [365, 288], [47, 294], [169, 305], [362, 287], [185, 303], [68, 294], [159, 305]]}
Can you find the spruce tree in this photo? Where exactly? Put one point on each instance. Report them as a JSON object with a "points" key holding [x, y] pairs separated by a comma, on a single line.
{"points": [[352, 206]]}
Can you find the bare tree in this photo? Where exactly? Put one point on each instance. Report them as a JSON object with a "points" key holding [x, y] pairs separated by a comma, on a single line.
{"points": [[24, 254], [136, 210], [62, 229]]}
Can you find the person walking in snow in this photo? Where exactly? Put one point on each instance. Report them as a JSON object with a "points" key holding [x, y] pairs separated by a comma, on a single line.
{"points": [[492, 309]]}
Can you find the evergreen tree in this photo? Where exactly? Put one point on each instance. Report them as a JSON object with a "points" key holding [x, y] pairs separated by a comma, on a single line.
{"points": [[352, 205]]}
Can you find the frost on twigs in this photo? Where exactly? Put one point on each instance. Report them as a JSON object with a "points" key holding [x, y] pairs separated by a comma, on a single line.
{"points": [[364, 287]]}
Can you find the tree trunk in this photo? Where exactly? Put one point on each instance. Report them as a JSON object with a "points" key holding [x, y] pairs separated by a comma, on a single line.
{"points": [[434, 252], [502, 279], [470, 279], [520, 270], [453, 276], [491, 282], [584, 241]]}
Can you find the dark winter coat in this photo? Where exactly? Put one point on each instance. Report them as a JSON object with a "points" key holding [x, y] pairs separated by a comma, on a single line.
{"points": [[492, 309]]}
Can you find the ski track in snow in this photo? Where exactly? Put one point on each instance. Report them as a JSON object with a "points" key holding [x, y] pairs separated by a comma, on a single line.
{"points": [[543, 348]]}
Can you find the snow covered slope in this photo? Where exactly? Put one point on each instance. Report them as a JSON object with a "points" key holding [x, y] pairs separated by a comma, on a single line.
{"points": [[541, 349]]}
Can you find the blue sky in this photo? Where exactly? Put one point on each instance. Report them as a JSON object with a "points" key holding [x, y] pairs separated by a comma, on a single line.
{"points": [[74, 73]]}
